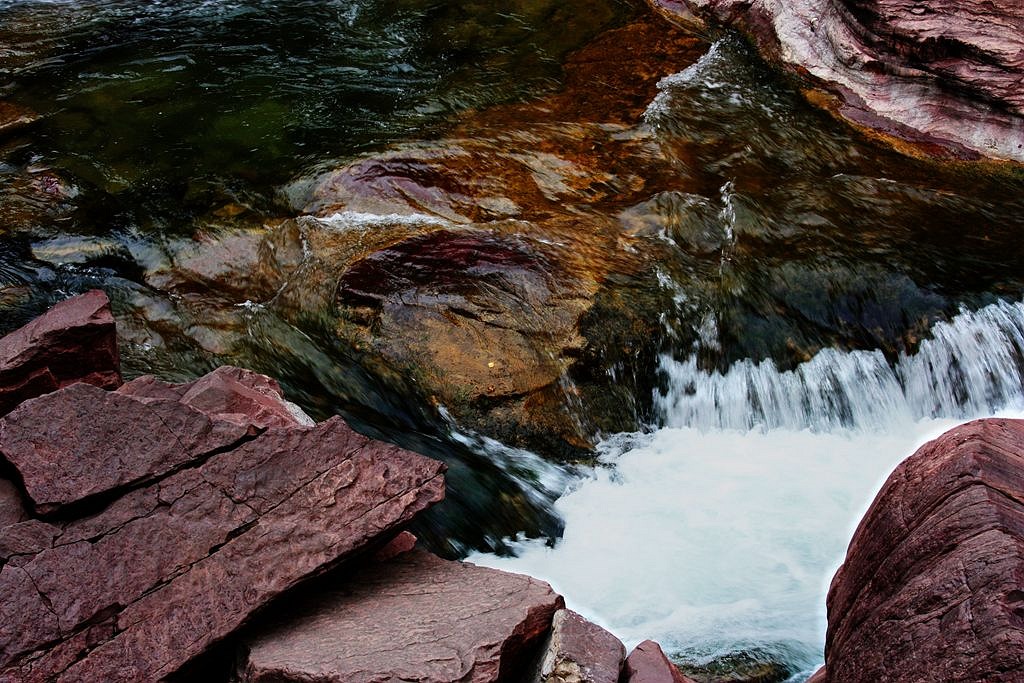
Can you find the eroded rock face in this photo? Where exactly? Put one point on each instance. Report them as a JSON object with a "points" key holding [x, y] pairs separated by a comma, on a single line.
{"points": [[943, 73], [648, 664], [171, 559], [579, 651], [931, 588], [416, 617], [75, 341]]}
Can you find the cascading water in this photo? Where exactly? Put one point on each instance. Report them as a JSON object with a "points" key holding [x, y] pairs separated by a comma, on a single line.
{"points": [[717, 533], [972, 365]]}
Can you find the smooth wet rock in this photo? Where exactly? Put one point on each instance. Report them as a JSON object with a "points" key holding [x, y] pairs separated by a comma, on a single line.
{"points": [[579, 651], [134, 588], [75, 341], [931, 588], [945, 74], [15, 118], [471, 263], [416, 617], [647, 663]]}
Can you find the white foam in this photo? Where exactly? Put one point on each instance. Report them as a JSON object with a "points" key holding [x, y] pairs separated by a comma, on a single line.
{"points": [[712, 543], [719, 532], [361, 221], [972, 366]]}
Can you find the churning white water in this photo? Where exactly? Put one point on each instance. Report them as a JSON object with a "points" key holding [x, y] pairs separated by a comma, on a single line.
{"points": [[719, 532]]}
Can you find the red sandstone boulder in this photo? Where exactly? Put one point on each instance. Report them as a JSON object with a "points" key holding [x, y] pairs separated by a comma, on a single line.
{"points": [[579, 651], [937, 72], [932, 588], [414, 618], [133, 588], [75, 341], [648, 664]]}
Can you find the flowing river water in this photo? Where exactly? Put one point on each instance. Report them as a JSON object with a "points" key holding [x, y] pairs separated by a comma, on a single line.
{"points": [[816, 305]]}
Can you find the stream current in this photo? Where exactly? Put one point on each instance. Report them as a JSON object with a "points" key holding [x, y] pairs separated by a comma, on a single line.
{"points": [[823, 304]]}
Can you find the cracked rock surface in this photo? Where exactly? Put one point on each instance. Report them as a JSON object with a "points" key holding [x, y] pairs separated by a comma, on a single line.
{"points": [[414, 618], [940, 72], [933, 583], [75, 341], [205, 502]]}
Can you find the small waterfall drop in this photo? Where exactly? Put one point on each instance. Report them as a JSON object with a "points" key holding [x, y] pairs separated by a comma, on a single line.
{"points": [[973, 365]]}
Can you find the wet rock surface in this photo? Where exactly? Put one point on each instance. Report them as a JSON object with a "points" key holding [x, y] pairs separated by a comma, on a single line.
{"points": [[941, 73], [648, 664], [505, 234], [75, 341], [579, 651], [134, 584], [931, 585], [415, 617]]}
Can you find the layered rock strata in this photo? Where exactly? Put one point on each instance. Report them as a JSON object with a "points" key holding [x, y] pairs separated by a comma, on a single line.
{"points": [[946, 74], [933, 583]]}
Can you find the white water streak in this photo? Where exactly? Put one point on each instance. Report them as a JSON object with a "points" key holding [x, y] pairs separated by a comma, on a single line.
{"points": [[971, 366]]}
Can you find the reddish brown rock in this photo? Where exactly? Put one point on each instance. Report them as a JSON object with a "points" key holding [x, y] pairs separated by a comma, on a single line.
{"points": [[83, 441], [820, 676], [12, 510], [943, 73], [228, 393], [933, 583], [75, 341], [579, 651], [648, 664], [135, 589], [416, 618]]}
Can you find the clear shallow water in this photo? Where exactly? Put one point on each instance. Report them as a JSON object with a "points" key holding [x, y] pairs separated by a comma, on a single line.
{"points": [[818, 306]]}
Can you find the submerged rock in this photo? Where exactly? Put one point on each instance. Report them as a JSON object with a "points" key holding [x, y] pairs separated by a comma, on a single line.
{"points": [[504, 235], [75, 341], [945, 74], [415, 617], [931, 585], [207, 514]]}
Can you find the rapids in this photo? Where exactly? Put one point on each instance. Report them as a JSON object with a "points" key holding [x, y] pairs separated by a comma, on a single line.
{"points": [[717, 533]]}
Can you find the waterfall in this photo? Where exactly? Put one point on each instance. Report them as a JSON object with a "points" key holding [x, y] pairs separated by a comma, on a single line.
{"points": [[972, 365]]}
